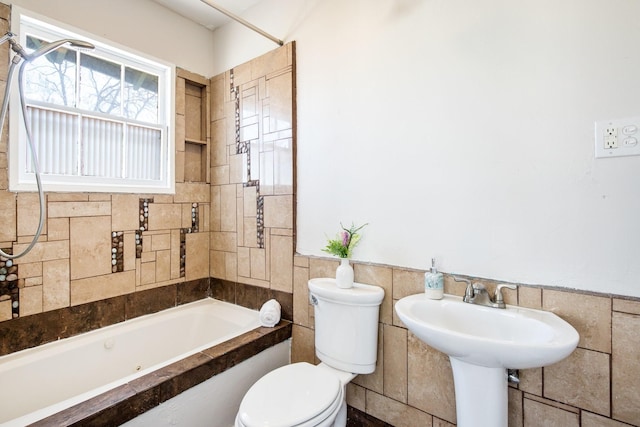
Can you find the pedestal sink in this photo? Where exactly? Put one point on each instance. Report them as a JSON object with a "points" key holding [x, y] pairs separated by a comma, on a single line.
{"points": [[482, 343]]}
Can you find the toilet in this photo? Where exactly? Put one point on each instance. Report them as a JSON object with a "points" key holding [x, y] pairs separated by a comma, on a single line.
{"points": [[346, 341]]}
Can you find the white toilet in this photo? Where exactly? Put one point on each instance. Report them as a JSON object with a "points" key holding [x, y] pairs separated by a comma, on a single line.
{"points": [[304, 395]]}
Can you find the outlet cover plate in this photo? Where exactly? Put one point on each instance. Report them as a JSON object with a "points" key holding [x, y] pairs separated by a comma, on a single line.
{"points": [[618, 137]]}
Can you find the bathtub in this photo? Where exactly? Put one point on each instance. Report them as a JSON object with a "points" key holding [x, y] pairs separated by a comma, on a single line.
{"points": [[96, 370]]}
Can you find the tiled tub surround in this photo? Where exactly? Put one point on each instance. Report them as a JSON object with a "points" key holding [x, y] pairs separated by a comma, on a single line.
{"points": [[596, 386], [138, 396]]}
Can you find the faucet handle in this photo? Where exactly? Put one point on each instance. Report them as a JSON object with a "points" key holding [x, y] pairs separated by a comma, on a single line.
{"points": [[498, 298], [461, 279]]}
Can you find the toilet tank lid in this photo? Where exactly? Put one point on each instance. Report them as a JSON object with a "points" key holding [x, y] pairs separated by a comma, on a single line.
{"points": [[360, 294]]}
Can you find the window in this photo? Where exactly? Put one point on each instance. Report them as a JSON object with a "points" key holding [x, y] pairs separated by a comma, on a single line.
{"points": [[101, 119]]}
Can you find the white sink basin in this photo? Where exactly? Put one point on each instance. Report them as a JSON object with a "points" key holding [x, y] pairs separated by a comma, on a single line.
{"points": [[514, 337]]}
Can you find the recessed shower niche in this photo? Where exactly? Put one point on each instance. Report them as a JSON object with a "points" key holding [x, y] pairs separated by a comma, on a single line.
{"points": [[192, 127]]}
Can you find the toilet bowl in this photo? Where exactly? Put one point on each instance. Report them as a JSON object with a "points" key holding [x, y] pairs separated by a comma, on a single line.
{"points": [[346, 341], [299, 394]]}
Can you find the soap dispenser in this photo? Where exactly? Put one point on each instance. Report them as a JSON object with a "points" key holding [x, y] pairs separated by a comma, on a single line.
{"points": [[433, 282]]}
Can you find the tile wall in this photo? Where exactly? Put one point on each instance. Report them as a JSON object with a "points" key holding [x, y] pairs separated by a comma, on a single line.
{"points": [[98, 246], [413, 386], [252, 179]]}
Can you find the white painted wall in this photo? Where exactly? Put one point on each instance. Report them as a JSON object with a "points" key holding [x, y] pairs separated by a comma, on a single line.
{"points": [[464, 130], [141, 25]]}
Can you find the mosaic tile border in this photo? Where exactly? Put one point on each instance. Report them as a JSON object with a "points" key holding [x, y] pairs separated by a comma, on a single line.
{"points": [[9, 288], [244, 147], [117, 251]]}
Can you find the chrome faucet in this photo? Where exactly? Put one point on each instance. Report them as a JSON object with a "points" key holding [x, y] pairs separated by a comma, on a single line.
{"points": [[476, 293]]}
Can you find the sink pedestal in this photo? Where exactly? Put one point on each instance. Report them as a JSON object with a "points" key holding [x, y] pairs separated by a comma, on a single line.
{"points": [[481, 394]]}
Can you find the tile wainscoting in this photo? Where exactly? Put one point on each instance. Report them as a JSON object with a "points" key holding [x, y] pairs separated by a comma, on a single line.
{"points": [[413, 384]]}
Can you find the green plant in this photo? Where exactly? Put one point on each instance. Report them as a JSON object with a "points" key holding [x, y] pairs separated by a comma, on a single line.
{"points": [[345, 241]]}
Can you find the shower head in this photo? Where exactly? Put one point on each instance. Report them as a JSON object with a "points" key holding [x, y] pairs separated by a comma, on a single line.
{"points": [[47, 47]]}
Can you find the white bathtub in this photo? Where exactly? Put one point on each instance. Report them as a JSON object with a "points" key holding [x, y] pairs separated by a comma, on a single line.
{"points": [[39, 382]]}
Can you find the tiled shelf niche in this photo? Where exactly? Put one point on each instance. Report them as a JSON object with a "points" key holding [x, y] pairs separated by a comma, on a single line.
{"points": [[192, 127]]}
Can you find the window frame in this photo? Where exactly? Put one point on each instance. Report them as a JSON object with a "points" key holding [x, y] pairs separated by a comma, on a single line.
{"points": [[28, 23]]}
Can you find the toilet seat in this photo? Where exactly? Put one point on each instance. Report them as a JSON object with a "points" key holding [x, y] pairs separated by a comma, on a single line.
{"points": [[298, 395]]}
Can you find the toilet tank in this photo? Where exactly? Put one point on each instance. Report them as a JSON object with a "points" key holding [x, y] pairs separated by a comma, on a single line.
{"points": [[346, 324]]}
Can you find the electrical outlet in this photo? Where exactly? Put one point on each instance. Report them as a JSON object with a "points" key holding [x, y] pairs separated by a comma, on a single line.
{"points": [[608, 143], [610, 137]]}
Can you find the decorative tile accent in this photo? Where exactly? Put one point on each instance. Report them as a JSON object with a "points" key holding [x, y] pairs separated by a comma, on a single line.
{"points": [[117, 251], [144, 213], [9, 284]]}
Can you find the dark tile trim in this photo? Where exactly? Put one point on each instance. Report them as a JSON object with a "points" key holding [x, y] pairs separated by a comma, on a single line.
{"points": [[357, 418], [130, 400], [251, 296]]}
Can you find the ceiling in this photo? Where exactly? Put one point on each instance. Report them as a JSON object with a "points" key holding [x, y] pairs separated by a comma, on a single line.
{"points": [[205, 15]]}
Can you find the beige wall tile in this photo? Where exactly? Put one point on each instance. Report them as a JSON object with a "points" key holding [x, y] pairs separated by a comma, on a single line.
{"points": [[590, 315], [258, 264], [593, 420], [44, 251], [231, 266], [220, 175], [250, 203], [395, 413], [223, 241], [219, 143], [129, 241], [160, 242], [197, 256], [320, 267], [180, 161], [537, 414], [175, 254], [244, 262], [217, 264], [407, 282], [378, 276], [192, 192], [237, 168], [90, 246], [435, 395], [625, 386], [79, 209], [30, 300], [215, 211], [530, 297], [437, 422], [626, 306], [249, 232], [29, 214], [163, 265], [5, 310], [395, 363], [58, 229], [30, 269], [147, 273], [278, 211], [356, 396], [302, 345], [228, 208], [531, 381], [281, 256], [515, 410], [125, 212], [300, 261], [164, 216], [7, 216], [102, 287], [301, 297], [581, 380], [55, 284]]}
